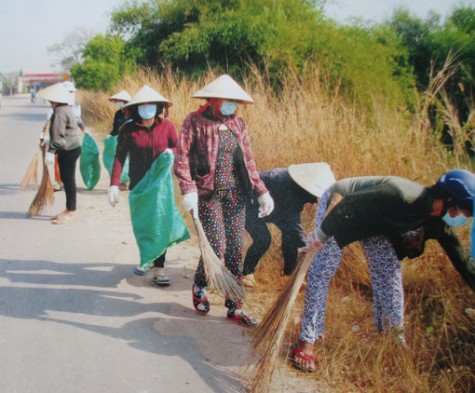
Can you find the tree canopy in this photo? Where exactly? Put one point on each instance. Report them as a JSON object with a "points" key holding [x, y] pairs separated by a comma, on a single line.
{"points": [[105, 61], [278, 38]]}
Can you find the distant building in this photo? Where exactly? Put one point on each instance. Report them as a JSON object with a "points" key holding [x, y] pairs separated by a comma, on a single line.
{"points": [[35, 82]]}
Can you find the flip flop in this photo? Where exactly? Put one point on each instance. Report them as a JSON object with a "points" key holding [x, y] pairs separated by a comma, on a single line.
{"points": [[297, 353], [241, 318], [58, 215], [161, 280], [139, 271], [61, 219]]}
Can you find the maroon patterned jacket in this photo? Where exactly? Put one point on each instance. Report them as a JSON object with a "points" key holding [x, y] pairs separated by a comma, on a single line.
{"points": [[197, 151]]}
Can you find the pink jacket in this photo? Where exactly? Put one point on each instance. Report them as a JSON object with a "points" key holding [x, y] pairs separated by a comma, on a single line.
{"points": [[197, 151]]}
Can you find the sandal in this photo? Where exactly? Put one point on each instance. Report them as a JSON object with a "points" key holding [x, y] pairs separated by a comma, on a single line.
{"points": [[161, 280], [297, 353], [141, 271], [200, 300], [62, 218], [241, 318], [58, 215]]}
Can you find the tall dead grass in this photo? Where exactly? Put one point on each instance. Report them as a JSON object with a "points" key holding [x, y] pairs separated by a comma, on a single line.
{"points": [[306, 123]]}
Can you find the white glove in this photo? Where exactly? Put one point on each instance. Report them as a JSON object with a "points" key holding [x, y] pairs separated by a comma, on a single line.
{"points": [[113, 195], [266, 205], [49, 158], [190, 203], [168, 151]]}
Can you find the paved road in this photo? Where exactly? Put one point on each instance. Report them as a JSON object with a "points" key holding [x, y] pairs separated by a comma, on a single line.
{"points": [[73, 316]]}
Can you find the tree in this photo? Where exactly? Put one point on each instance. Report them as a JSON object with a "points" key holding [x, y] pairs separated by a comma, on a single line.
{"points": [[105, 61], [70, 50], [10, 82], [430, 43], [278, 37]]}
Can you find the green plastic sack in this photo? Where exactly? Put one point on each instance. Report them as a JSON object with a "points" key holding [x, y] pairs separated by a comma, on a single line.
{"points": [[108, 154], [89, 163], [156, 221]]}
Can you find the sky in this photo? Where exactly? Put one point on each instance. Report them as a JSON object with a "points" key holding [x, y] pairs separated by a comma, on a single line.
{"points": [[29, 27], [380, 10]]}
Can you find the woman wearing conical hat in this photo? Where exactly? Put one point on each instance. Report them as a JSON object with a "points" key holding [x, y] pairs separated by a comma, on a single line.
{"points": [[143, 139], [119, 100], [216, 169], [65, 142]]}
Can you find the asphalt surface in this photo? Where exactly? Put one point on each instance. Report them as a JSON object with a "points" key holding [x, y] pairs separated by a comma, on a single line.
{"points": [[73, 316]]}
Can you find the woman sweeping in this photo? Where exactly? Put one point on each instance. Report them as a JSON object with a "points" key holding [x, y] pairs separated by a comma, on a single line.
{"points": [[393, 218], [216, 168], [143, 139], [65, 142]]}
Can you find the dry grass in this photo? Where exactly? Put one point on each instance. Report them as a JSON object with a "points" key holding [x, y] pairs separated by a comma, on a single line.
{"points": [[304, 123]]}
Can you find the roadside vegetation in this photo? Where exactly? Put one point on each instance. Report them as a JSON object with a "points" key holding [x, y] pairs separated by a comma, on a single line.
{"points": [[389, 99]]}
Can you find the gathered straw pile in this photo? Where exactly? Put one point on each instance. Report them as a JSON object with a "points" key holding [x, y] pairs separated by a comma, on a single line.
{"points": [[268, 340], [218, 275], [45, 193]]}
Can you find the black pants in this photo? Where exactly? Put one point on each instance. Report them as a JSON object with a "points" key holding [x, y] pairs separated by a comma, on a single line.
{"points": [[67, 170], [261, 239], [160, 261]]}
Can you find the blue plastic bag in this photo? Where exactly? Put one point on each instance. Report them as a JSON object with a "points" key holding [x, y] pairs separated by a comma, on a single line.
{"points": [[108, 154], [89, 164], [156, 220]]}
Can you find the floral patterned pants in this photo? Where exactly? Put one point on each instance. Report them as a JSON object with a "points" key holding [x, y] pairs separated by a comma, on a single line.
{"points": [[386, 279], [223, 219]]}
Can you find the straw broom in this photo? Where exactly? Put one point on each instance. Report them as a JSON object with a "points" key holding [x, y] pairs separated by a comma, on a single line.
{"points": [[217, 275], [31, 174], [45, 193], [268, 340]]}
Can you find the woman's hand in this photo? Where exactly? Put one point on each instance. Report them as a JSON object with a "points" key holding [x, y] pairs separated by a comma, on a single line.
{"points": [[266, 205]]}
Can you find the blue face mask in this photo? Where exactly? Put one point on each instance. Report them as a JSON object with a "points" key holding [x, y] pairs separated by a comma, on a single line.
{"points": [[119, 104], [228, 108], [456, 221], [147, 111]]}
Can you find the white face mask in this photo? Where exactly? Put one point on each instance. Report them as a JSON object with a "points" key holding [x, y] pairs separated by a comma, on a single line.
{"points": [[456, 221], [228, 108], [147, 111], [119, 104]]}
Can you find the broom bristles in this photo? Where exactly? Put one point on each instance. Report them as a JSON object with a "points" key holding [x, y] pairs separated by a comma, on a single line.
{"points": [[268, 340], [44, 195], [31, 174], [218, 276]]}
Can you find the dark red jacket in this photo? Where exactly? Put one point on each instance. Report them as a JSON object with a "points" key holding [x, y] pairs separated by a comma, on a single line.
{"points": [[143, 145]]}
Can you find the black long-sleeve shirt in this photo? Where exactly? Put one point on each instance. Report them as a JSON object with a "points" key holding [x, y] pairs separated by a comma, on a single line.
{"points": [[119, 119], [393, 207]]}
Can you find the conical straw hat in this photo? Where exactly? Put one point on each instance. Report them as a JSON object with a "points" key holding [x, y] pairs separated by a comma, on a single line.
{"points": [[70, 86], [224, 87], [147, 94], [313, 177], [56, 93], [121, 96]]}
